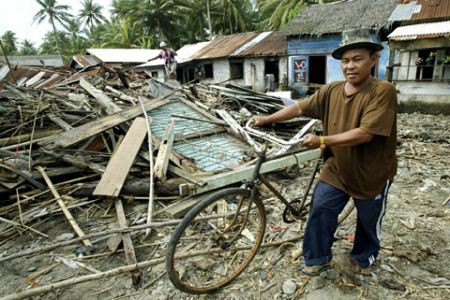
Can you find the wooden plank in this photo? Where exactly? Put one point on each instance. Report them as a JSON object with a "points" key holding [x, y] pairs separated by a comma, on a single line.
{"points": [[162, 160], [60, 122], [103, 99], [224, 179], [130, 255], [120, 163], [102, 124]]}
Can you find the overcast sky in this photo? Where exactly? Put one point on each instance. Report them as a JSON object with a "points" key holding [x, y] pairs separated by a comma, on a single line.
{"points": [[17, 16]]}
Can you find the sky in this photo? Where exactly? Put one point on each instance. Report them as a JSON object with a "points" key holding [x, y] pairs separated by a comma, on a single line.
{"points": [[17, 16]]}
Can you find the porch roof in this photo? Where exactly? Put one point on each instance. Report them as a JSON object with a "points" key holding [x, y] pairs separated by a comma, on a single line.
{"points": [[421, 31]]}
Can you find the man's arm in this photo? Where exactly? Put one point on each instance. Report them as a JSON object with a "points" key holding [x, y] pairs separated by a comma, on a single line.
{"points": [[349, 138], [284, 114]]}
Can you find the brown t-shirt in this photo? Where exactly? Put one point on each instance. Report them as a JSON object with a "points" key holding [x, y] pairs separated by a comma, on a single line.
{"points": [[362, 170]]}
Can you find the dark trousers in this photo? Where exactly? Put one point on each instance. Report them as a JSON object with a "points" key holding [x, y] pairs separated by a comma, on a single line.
{"points": [[322, 223]]}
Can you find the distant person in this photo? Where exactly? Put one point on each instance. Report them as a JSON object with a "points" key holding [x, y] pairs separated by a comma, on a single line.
{"points": [[170, 63], [359, 121]]}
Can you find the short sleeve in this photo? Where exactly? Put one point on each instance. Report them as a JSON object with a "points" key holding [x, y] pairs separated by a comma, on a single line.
{"points": [[379, 115], [314, 106]]}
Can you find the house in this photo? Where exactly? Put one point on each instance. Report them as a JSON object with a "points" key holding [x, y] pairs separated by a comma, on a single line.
{"points": [[126, 58], [316, 32], [420, 51], [35, 60], [245, 59]]}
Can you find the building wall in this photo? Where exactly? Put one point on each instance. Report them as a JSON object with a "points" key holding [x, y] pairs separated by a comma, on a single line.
{"points": [[161, 73], [302, 48], [254, 73]]}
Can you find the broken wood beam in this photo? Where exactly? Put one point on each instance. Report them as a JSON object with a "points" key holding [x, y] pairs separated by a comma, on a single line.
{"points": [[120, 163], [60, 122], [61, 203], [162, 159], [122, 95], [107, 103], [130, 255], [102, 124]]}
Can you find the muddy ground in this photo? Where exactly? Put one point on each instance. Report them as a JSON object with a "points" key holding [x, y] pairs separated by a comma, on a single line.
{"points": [[413, 263]]}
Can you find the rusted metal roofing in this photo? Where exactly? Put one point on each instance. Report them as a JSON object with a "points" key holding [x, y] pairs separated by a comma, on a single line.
{"points": [[84, 61], [224, 46], [421, 10], [272, 44], [33, 77], [432, 9], [421, 31], [35, 60]]}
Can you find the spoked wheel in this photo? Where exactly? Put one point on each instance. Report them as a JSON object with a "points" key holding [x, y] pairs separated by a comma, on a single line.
{"points": [[215, 241]]}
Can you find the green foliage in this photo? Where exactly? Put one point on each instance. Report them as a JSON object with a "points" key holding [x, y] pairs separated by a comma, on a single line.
{"points": [[53, 12], [27, 48], [91, 14], [9, 41]]}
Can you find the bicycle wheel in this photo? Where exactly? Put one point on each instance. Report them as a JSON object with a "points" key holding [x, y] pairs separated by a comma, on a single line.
{"points": [[215, 241]]}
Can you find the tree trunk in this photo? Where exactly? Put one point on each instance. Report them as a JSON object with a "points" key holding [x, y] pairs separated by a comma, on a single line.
{"points": [[58, 45]]}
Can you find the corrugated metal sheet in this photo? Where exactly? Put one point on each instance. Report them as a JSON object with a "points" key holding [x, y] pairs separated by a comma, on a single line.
{"points": [[272, 45], [433, 9], [216, 152], [35, 60], [225, 45], [421, 31], [85, 61], [136, 56], [33, 77], [403, 12], [421, 10]]}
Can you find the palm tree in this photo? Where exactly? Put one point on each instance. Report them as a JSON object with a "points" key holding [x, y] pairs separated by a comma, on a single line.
{"points": [[123, 33], [54, 12], [274, 14], [9, 42], [27, 48], [234, 16], [91, 14]]}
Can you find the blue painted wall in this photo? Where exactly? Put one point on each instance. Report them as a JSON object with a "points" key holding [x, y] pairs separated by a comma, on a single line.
{"points": [[303, 47]]}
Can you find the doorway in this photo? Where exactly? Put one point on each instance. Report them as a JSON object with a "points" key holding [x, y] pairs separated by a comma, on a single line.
{"points": [[317, 69]]}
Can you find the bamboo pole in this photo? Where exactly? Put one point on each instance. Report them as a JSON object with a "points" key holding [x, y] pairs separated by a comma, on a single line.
{"points": [[61, 203]]}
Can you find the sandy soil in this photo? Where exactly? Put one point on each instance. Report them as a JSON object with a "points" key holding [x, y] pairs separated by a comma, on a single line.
{"points": [[413, 263]]}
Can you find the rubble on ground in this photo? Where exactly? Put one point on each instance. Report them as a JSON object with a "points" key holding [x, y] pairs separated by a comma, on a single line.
{"points": [[60, 181]]}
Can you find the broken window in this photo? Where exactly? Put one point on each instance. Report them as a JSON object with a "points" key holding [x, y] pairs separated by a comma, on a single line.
{"points": [[236, 70], [155, 74]]}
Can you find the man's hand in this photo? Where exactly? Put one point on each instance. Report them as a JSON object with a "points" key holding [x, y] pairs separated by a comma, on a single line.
{"points": [[258, 121], [311, 141]]}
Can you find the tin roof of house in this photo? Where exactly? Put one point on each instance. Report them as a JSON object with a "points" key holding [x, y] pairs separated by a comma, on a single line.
{"points": [[224, 46], [35, 60], [268, 43], [123, 55], [421, 10], [421, 31], [33, 76]]}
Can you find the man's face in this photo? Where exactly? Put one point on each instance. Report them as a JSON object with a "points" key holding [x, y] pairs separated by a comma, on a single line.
{"points": [[356, 65]]}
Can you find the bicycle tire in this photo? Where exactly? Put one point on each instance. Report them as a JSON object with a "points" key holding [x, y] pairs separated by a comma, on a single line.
{"points": [[174, 260]]}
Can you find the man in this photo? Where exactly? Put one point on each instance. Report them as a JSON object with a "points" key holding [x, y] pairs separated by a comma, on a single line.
{"points": [[359, 122], [170, 63]]}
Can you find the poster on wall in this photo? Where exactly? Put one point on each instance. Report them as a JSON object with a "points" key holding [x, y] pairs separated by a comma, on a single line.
{"points": [[298, 70]]}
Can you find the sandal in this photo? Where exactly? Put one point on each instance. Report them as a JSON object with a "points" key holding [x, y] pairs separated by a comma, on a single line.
{"points": [[315, 270], [362, 271]]}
